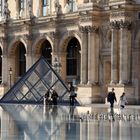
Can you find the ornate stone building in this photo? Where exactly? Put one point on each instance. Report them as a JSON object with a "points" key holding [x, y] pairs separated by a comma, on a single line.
{"points": [[97, 43]]}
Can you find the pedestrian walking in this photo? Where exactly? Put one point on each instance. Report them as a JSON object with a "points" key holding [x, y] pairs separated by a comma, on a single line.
{"points": [[122, 101], [72, 95], [54, 97], [46, 98], [111, 97]]}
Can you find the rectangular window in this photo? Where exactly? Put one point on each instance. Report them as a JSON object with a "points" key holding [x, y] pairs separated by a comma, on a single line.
{"points": [[72, 5], [45, 2], [21, 4], [1, 7], [46, 7]]}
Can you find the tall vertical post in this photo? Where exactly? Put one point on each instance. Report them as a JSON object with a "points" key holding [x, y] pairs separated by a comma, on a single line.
{"points": [[124, 52], [114, 52], [10, 74], [84, 55], [93, 54]]}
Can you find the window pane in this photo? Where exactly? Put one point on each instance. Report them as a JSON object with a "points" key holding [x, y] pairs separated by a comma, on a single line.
{"points": [[1, 5], [44, 2], [71, 67], [22, 59]]}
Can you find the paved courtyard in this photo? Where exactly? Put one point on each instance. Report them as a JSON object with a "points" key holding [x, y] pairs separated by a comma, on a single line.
{"points": [[91, 122]]}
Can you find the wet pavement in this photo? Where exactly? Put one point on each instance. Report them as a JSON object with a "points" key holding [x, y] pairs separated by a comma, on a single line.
{"points": [[95, 122]]}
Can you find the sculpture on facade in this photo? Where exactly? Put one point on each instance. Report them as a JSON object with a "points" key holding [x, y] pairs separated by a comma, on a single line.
{"points": [[58, 7], [6, 13], [30, 8]]}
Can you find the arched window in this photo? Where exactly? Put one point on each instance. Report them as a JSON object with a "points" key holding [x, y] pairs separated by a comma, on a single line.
{"points": [[46, 51], [21, 59], [73, 58]]}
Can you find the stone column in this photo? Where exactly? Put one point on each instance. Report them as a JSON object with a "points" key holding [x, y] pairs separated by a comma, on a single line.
{"points": [[93, 55], [114, 52], [29, 61], [29, 8], [4, 69], [63, 65], [3, 42], [125, 49], [40, 7], [84, 55]]}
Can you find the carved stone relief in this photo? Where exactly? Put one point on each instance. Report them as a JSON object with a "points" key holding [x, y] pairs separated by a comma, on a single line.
{"points": [[86, 29], [104, 34]]}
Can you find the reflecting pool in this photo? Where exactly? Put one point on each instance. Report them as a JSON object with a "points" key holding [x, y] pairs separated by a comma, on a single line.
{"points": [[38, 122]]}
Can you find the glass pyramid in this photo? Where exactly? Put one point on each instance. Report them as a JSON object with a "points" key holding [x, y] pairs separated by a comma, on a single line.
{"points": [[32, 87]]}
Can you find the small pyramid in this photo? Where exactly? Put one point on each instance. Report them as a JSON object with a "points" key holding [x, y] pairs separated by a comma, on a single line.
{"points": [[32, 87]]}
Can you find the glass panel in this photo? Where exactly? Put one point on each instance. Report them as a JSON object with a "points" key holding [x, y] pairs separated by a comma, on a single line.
{"points": [[42, 68], [15, 99], [59, 87], [50, 78], [45, 11], [36, 94], [41, 88], [33, 78], [31, 97], [25, 99], [1, 7], [19, 95], [24, 89], [21, 59], [41, 78], [45, 2]]}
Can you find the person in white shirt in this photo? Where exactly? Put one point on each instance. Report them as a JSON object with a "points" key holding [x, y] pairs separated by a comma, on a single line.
{"points": [[123, 100]]}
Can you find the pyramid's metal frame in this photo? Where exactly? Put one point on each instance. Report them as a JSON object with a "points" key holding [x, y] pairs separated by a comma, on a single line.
{"points": [[32, 87]]}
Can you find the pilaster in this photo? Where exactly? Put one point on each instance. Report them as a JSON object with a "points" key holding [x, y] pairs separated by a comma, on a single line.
{"points": [[124, 52], [4, 69], [93, 55], [17, 9], [84, 54], [114, 52], [28, 40], [63, 65], [3, 42], [40, 8]]}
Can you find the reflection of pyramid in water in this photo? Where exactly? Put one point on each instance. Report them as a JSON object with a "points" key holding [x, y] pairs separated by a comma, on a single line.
{"points": [[32, 87], [35, 122]]}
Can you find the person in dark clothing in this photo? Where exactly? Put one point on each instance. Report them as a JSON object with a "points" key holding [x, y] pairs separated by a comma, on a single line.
{"points": [[111, 98], [54, 97], [47, 95], [72, 95]]}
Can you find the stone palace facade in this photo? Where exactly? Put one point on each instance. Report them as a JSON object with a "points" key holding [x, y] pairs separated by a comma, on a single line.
{"points": [[97, 43]]}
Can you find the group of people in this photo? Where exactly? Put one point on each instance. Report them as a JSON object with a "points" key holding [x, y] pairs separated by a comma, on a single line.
{"points": [[54, 96], [111, 97]]}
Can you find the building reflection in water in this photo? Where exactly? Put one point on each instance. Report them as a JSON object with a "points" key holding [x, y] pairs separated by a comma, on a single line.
{"points": [[34, 122]]}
